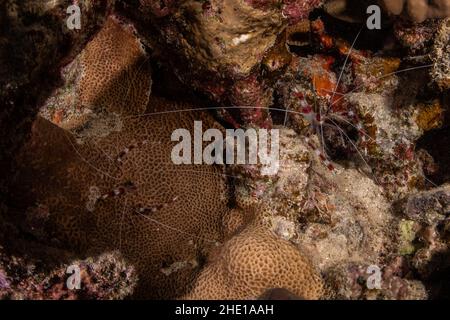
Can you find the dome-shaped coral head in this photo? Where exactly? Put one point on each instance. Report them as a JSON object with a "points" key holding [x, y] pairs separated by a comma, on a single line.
{"points": [[255, 261], [418, 10], [122, 191]]}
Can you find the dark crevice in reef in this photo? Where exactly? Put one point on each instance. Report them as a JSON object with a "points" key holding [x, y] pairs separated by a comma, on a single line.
{"points": [[166, 84], [438, 284], [337, 146], [373, 40], [436, 143]]}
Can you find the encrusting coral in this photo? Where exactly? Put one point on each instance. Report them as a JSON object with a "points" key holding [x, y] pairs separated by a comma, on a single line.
{"points": [[110, 77], [115, 71], [100, 197]]}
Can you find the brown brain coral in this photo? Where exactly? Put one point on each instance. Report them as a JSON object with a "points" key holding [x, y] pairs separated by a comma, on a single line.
{"points": [[109, 78], [115, 73], [253, 262], [123, 192]]}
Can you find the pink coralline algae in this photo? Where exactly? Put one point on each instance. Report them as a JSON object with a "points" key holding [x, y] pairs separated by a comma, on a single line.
{"points": [[103, 277], [296, 10]]}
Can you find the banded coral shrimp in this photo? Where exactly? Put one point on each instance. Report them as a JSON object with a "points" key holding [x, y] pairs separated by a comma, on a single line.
{"points": [[321, 93]]}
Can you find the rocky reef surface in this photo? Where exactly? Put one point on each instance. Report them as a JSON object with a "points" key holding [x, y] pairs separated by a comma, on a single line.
{"points": [[358, 207]]}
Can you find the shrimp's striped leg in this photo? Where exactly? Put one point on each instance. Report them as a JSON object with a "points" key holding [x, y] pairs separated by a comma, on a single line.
{"points": [[120, 190], [155, 208], [320, 154], [128, 149]]}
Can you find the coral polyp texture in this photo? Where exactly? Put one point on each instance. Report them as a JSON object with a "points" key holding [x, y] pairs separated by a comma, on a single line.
{"points": [[110, 77], [98, 196], [94, 206], [252, 262], [115, 69]]}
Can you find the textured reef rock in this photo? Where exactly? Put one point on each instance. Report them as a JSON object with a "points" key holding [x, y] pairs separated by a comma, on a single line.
{"points": [[441, 56], [328, 216], [349, 281], [104, 277], [425, 234], [31, 268]]}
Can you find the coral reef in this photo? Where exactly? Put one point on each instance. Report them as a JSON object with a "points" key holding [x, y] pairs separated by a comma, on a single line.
{"points": [[427, 213], [440, 54], [121, 76], [357, 208], [350, 282], [217, 47], [109, 78]]}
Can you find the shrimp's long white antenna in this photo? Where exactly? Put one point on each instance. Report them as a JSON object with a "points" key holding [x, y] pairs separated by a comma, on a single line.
{"points": [[121, 223], [176, 229], [381, 77], [345, 64], [373, 140], [320, 118], [86, 161]]}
